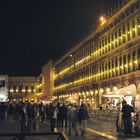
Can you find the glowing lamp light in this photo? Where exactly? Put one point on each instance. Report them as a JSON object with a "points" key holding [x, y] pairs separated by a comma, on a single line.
{"points": [[130, 63], [135, 61], [138, 26], [128, 32], [87, 93], [91, 92], [96, 91], [121, 67], [103, 20], [23, 90], [29, 90], [11, 90], [125, 65], [16, 90], [133, 29]]}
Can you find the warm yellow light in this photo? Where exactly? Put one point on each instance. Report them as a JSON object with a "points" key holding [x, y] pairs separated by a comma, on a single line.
{"points": [[138, 26], [130, 63], [128, 32], [123, 35], [11, 90], [23, 90], [133, 29], [96, 91], [38, 86], [135, 62], [38, 94], [87, 93], [16, 90], [125, 65], [29, 90], [101, 18], [121, 67]]}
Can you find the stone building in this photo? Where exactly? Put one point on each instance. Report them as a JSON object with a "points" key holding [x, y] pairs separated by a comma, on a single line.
{"points": [[108, 59]]}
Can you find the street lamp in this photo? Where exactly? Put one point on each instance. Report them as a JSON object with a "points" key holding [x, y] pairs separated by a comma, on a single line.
{"points": [[102, 20]]}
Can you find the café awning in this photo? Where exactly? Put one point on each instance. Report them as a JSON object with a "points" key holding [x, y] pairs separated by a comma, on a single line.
{"points": [[125, 91]]}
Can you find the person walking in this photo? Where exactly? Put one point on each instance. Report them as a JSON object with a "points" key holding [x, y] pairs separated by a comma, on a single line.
{"points": [[126, 116], [63, 114], [72, 119], [82, 118], [53, 116]]}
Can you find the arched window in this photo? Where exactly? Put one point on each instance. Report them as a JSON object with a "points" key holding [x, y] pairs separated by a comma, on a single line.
{"points": [[108, 42], [133, 28], [125, 64], [119, 36], [113, 68], [134, 61], [129, 63], [121, 66], [116, 65], [128, 31], [109, 69]]}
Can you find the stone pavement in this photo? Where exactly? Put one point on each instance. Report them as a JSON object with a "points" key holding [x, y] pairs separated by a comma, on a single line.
{"points": [[98, 130]]}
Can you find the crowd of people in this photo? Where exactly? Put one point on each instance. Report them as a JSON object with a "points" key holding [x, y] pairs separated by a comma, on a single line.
{"points": [[59, 115]]}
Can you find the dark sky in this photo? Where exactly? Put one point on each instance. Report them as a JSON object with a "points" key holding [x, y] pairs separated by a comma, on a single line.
{"points": [[34, 31]]}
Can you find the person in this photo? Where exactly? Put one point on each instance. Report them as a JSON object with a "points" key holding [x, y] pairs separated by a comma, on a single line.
{"points": [[126, 116], [72, 118], [42, 112], [63, 115], [2, 112], [53, 116], [82, 118]]}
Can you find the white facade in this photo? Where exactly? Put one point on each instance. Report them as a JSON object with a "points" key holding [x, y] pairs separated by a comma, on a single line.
{"points": [[3, 88]]}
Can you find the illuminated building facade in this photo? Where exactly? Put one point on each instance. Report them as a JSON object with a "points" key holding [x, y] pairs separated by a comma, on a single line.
{"points": [[22, 88], [45, 82], [106, 60]]}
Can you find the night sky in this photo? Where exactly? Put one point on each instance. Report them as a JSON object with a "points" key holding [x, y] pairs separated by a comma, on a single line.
{"points": [[34, 31]]}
